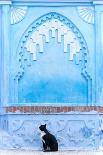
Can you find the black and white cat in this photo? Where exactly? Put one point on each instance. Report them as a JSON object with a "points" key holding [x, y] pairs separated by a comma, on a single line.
{"points": [[49, 141]]}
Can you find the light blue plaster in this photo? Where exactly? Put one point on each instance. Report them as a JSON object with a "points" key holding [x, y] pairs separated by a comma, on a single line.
{"points": [[15, 35], [52, 79], [0, 52], [73, 131]]}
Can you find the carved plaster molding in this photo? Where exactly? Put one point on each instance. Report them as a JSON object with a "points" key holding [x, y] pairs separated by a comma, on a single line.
{"points": [[86, 14], [40, 28], [17, 14], [80, 132], [44, 30]]}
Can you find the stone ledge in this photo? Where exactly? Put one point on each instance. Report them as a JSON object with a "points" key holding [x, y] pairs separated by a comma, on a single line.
{"points": [[52, 109], [17, 152]]}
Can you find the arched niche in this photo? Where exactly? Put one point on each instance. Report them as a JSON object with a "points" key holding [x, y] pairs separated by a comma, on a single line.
{"points": [[52, 63]]}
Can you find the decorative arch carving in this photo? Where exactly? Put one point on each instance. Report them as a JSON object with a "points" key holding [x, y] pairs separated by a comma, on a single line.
{"points": [[17, 14], [66, 28], [34, 33], [86, 14]]}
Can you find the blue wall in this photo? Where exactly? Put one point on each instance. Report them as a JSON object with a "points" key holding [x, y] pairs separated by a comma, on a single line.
{"points": [[53, 77], [0, 53], [73, 131], [49, 74]]}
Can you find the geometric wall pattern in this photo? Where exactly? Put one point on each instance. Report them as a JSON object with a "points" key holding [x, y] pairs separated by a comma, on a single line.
{"points": [[53, 25]]}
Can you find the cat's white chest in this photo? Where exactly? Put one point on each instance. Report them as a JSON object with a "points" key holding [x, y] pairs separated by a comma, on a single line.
{"points": [[42, 134]]}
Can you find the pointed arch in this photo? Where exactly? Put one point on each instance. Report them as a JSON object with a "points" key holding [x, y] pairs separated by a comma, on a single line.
{"points": [[52, 21], [71, 33]]}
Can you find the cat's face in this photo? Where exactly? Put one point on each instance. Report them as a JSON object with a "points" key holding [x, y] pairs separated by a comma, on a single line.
{"points": [[42, 127]]}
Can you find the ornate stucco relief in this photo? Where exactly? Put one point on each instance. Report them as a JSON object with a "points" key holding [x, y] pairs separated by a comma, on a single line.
{"points": [[72, 131], [40, 30], [44, 30], [17, 14], [86, 14]]}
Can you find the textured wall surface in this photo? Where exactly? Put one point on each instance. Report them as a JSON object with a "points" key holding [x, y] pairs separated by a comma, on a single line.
{"points": [[0, 53], [60, 49], [47, 54], [73, 131], [51, 54]]}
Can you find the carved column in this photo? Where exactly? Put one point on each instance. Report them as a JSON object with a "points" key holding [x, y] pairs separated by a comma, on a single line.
{"points": [[98, 51], [5, 53], [0, 55]]}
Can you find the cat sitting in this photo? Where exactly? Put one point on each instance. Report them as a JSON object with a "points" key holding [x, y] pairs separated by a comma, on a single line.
{"points": [[49, 141]]}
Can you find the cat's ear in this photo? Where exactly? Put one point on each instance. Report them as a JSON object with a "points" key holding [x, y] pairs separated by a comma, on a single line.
{"points": [[45, 125]]}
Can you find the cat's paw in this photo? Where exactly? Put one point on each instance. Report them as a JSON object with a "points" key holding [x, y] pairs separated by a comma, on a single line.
{"points": [[43, 150], [46, 150]]}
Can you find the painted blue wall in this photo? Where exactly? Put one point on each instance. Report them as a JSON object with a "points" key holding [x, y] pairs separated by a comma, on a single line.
{"points": [[55, 78], [73, 90], [0, 53], [52, 78], [73, 131]]}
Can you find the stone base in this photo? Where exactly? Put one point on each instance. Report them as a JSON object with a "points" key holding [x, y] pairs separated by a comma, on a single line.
{"points": [[16, 152], [73, 130]]}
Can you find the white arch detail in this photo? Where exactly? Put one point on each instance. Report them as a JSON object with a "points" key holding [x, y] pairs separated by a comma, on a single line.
{"points": [[53, 25]]}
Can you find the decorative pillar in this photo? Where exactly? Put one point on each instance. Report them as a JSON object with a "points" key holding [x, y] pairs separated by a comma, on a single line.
{"points": [[0, 53], [5, 52], [98, 50], [102, 31]]}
